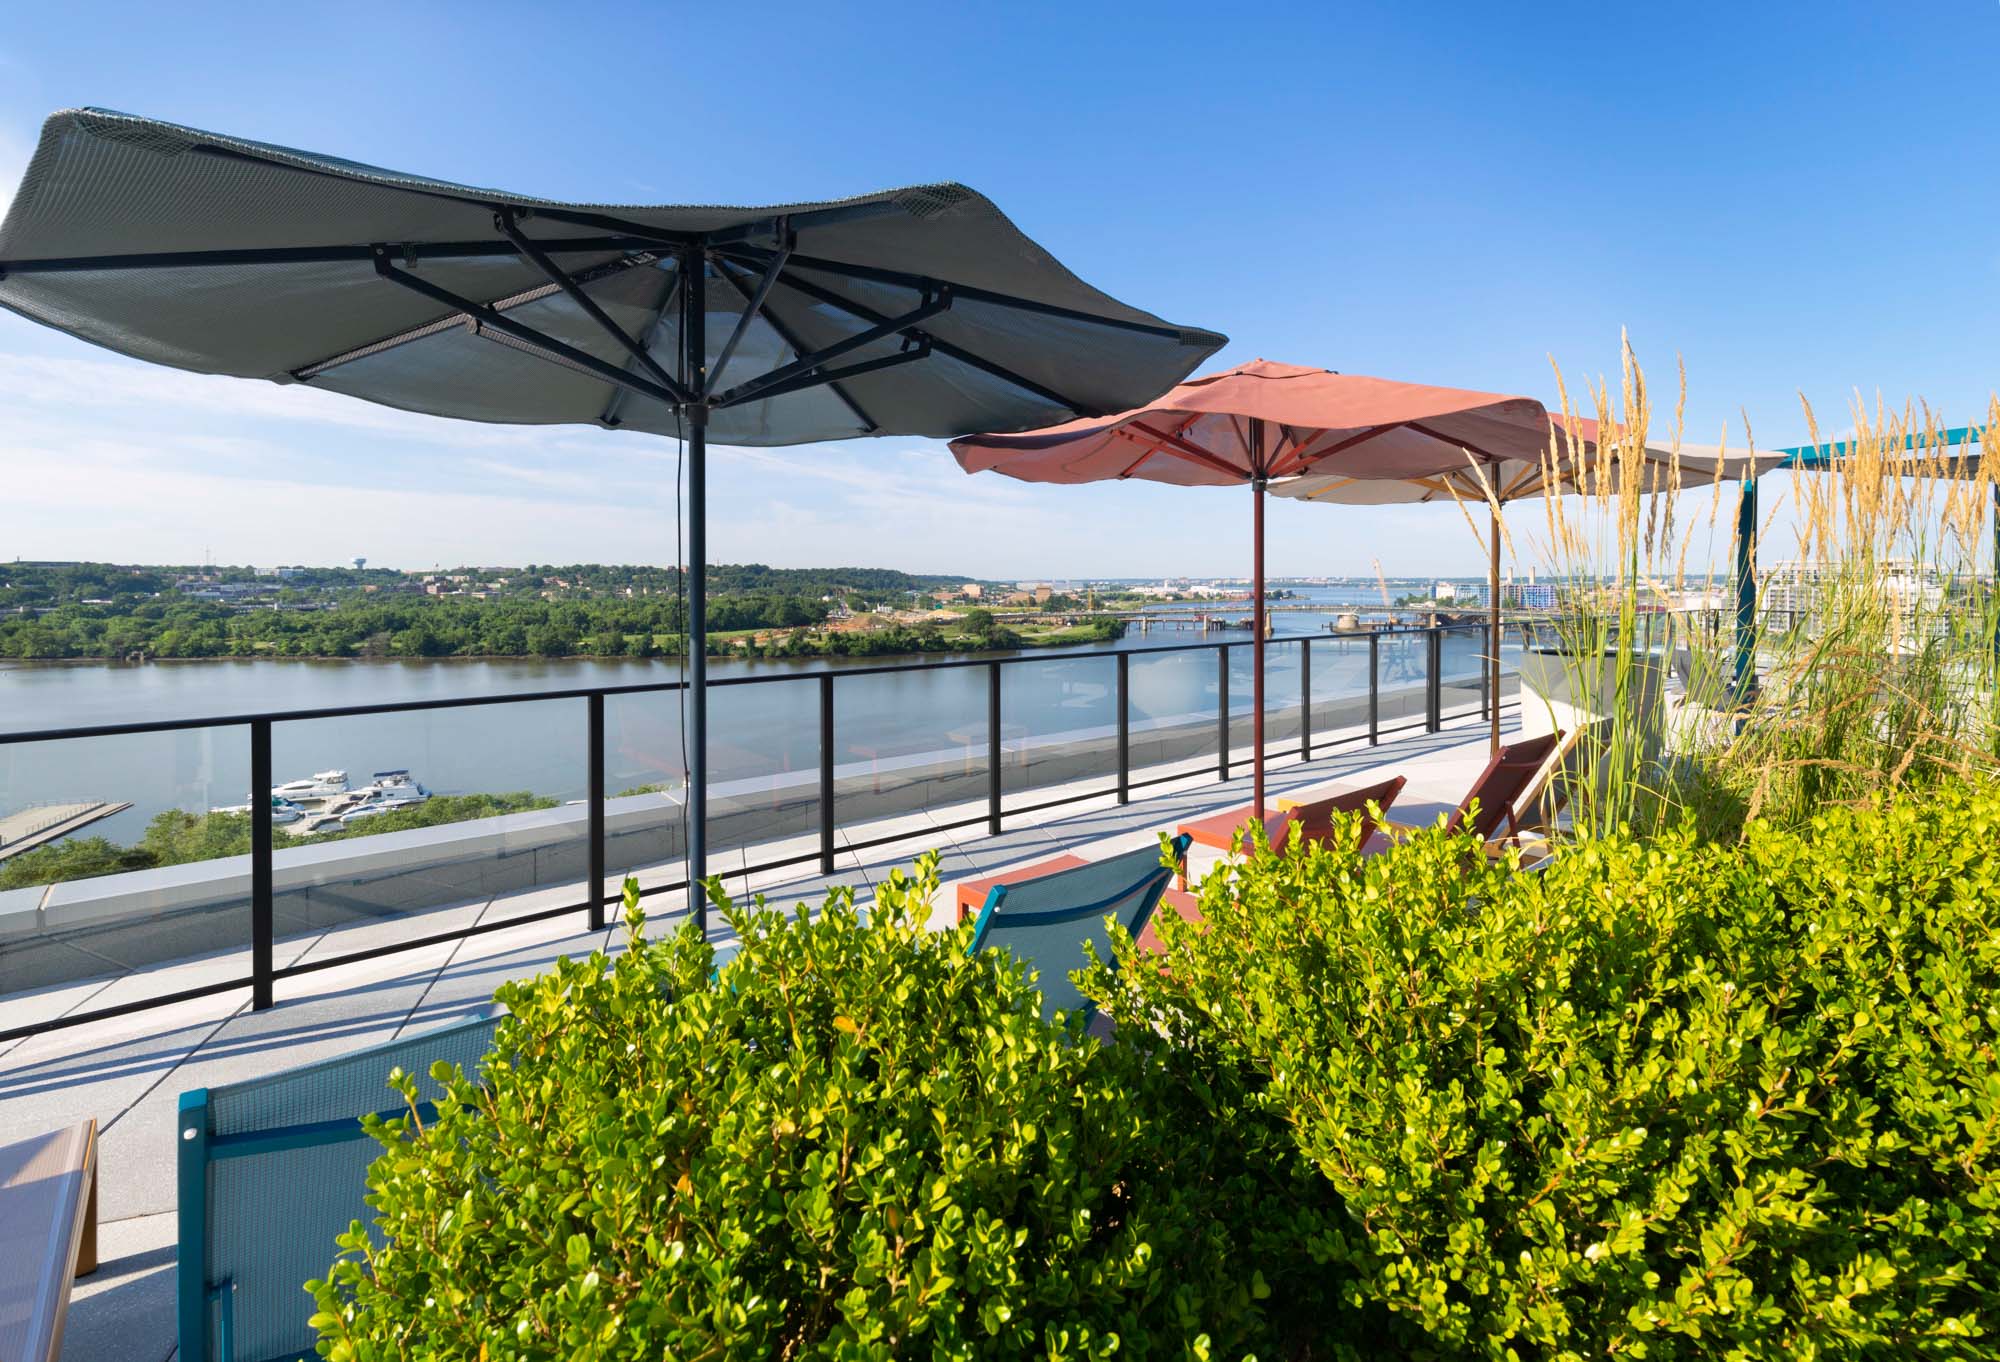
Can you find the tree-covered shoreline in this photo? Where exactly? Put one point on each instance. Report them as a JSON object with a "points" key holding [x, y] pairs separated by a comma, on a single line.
{"points": [[105, 612]]}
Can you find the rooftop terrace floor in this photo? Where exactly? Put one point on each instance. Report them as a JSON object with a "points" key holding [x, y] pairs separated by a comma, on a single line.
{"points": [[129, 1071]]}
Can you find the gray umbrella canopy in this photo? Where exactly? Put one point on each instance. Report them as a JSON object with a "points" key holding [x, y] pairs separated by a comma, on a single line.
{"points": [[919, 311], [220, 255]]}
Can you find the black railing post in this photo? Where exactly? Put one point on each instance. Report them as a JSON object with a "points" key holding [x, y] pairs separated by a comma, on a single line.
{"points": [[1374, 688], [993, 749], [1305, 699], [260, 864], [596, 872], [1222, 711], [1433, 691], [1124, 728], [826, 773]]}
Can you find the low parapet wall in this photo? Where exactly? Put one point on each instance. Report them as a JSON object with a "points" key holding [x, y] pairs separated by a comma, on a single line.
{"points": [[87, 928]]}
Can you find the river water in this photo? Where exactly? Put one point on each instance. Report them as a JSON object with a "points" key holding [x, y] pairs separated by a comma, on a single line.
{"points": [[757, 732]]}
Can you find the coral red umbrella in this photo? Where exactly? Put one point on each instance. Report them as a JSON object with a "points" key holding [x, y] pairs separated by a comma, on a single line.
{"points": [[1260, 421]]}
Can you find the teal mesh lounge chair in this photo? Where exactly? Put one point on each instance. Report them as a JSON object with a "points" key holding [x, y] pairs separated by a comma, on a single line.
{"points": [[1045, 921], [270, 1171]]}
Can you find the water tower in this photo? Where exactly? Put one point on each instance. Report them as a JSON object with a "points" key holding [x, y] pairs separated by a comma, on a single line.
{"points": [[360, 563]]}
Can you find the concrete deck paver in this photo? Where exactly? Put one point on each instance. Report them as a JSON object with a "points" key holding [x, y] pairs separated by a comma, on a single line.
{"points": [[125, 1309]]}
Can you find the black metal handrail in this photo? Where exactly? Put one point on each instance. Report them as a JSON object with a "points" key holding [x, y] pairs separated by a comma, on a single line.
{"points": [[264, 973], [652, 687]]}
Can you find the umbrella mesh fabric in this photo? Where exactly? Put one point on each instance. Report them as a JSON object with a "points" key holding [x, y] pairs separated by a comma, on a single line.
{"points": [[98, 242]]}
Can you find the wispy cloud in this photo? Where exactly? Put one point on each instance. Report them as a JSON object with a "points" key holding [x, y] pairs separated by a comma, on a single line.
{"points": [[110, 383], [131, 461]]}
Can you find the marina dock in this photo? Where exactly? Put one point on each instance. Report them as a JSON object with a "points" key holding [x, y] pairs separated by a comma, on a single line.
{"points": [[43, 823]]}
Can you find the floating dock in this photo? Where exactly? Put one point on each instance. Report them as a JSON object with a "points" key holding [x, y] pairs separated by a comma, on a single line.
{"points": [[43, 823]]}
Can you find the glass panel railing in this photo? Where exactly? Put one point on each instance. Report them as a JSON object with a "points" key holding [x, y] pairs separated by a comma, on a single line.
{"points": [[891, 775], [1462, 681], [763, 758], [645, 793], [1284, 704], [1403, 671], [1340, 688], [124, 870], [1281, 698], [1173, 719], [425, 822], [1512, 642], [1059, 727]]}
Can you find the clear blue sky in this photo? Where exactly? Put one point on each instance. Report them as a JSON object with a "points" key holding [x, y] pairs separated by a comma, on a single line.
{"points": [[1792, 197]]}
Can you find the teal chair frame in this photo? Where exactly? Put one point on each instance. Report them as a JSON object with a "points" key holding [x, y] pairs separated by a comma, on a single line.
{"points": [[1137, 879], [270, 1170]]}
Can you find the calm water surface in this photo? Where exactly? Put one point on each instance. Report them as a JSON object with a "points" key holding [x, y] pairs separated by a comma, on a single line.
{"points": [[755, 730]]}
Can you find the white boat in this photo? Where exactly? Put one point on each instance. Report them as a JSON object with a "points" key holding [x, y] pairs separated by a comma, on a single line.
{"points": [[322, 785], [282, 810], [393, 788]]}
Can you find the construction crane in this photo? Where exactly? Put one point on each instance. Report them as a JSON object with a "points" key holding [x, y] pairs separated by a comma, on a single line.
{"points": [[1382, 582]]}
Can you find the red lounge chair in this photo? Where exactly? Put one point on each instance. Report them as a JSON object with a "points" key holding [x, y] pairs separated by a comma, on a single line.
{"points": [[1505, 795], [1314, 820]]}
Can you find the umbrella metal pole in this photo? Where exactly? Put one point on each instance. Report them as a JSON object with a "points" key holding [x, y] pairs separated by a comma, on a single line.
{"points": [[694, 351], [1493, 634]]}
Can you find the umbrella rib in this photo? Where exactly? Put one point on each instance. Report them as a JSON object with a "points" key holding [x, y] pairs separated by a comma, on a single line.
{"points": [[615, 404], [312, 255], [1371, 433], [941, 346], [752, 306], [816, 377], [875, 274], [1151, 449], [307, 372], [791, 338], [1294, 456], [1522, 485], [588, 305], [499, 321], [804, 365], [1337, 482], [1465, 445], [1172, 440]]}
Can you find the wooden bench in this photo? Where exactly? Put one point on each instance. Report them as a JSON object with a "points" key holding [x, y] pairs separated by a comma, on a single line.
{"points": [[48, 1236]]}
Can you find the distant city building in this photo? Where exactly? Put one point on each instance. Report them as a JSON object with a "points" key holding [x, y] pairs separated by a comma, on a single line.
{"points": [[972, 591], [1793, 592]]}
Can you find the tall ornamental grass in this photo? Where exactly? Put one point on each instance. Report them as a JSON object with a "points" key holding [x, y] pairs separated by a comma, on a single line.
{"points": [[1873, 635]]}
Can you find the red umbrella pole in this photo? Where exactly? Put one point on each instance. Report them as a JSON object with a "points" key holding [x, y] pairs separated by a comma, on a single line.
{"points": [[1257, 627]]}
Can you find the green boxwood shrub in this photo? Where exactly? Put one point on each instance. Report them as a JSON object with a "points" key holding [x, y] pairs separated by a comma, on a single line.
{"points": [[1661, 1100], [853, 1141]]}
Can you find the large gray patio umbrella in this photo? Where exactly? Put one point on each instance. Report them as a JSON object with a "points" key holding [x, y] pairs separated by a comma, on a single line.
{"points": [[919, 311]]}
